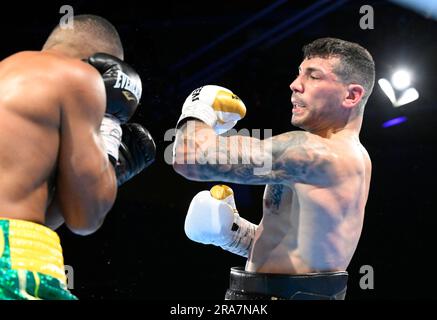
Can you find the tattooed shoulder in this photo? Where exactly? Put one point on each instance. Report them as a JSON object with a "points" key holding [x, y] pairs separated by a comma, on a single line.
{"points": [[273, 196]]}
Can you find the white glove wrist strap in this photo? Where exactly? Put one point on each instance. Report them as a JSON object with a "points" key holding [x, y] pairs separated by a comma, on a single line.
{"points": [[242, 237], [199, 111], [110, 131]]}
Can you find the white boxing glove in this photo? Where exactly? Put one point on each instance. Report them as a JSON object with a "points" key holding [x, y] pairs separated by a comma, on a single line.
{"points": [[213, 219], [218, 107]]}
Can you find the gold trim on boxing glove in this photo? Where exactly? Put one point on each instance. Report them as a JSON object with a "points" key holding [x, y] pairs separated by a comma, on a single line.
{"points": [[228, 102], [221, 192]]}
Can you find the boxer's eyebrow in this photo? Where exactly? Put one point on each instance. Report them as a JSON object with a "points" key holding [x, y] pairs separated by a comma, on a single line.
{"points": [[311, 69]]}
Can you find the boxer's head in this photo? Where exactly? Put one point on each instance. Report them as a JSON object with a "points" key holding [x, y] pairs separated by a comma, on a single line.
{"points": [[335, 80], [90, 34]]}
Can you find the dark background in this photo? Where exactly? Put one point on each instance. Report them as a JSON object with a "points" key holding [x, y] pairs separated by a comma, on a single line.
{"points": [[141, 252]]}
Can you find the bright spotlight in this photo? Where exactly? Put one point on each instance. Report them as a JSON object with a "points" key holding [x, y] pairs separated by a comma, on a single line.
{"points": [[401, 79], [408, 96], [388, 89], [399, 89]]}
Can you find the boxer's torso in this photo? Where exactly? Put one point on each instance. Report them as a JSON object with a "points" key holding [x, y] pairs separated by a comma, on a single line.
{"points": [[307, 228]]}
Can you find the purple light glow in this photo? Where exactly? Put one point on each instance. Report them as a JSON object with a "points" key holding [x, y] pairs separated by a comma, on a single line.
{"points": [[394, 122]]}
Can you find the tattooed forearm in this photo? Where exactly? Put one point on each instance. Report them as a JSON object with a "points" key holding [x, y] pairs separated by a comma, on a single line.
{"points": [[242, 159], [210, 157]]}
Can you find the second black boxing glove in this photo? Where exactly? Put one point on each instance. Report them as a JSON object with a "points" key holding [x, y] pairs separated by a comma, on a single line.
{"points": [[137, 151]]}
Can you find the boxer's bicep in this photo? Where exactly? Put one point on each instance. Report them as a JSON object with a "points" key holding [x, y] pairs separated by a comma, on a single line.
{"points": [[300, 157]]}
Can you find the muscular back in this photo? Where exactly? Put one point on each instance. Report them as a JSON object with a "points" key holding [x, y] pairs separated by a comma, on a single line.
{"points": [[33, 88], [315, 227]]}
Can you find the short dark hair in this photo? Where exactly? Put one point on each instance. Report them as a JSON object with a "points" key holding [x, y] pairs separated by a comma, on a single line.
{"points": [[356, 63], [92, 29]]}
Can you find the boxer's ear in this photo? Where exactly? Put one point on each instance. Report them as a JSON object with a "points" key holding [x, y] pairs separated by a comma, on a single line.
{"points": [[354, 94]]}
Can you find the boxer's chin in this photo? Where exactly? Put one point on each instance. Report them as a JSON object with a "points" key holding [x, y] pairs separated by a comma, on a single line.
{"points": [[297, 121]]}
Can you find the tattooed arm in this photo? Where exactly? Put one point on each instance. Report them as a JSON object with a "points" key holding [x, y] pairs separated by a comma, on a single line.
{"points": [[199, 154]]}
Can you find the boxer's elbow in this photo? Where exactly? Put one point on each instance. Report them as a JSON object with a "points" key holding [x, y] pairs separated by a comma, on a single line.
{"points": [[86, 222], [88, 216], [84, 230]]}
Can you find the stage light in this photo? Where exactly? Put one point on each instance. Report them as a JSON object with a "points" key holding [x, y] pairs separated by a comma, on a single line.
{"points": [[408, 96], [398, 90], [394, 122], [401, 79], [387, 89]]}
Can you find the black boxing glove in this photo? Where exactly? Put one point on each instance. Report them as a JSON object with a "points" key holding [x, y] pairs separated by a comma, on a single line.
{"points": [[137, 151], [122, 84], [123, 93]]}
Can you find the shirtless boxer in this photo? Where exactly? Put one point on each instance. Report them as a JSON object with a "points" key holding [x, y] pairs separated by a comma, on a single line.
{"points": [[64, 148], [316, 190]]}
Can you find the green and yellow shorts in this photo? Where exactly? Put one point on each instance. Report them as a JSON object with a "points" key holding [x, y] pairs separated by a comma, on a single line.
{"points": [[31, 262]]}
